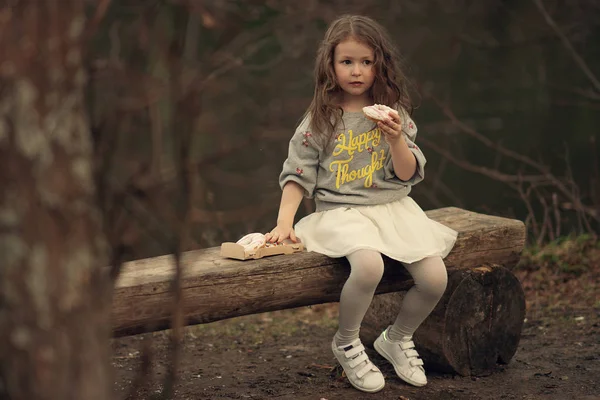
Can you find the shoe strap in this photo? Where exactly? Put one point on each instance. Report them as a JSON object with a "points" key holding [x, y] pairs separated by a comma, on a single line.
{"points": [[351, 353], [357, 356], [412, 353], [407, 345], [366, 369], [361, 358], [416, 362]]}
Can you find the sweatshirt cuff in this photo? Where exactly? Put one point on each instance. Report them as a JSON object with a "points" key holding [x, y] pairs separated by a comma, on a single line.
{"points": [[419, 174]]}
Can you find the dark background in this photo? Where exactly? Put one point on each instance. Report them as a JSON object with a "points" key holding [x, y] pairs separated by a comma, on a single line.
{"points": [[193, 104]]}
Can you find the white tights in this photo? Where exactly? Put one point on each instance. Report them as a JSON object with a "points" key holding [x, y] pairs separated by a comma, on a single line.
{"points": [[429, 275]]}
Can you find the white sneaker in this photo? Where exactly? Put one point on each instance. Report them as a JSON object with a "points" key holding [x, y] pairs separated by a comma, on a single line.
{"points": [[403, 356], [361, 372]]}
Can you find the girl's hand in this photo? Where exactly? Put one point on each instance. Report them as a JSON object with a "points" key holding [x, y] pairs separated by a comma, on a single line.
{"points": [[280, 233], [391, 128]]}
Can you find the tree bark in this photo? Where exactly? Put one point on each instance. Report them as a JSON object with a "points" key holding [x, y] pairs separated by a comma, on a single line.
{"points": [[216, 288], [55, 292]]}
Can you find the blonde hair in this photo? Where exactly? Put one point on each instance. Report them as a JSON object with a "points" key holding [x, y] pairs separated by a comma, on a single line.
{"points": [[390, 86]]}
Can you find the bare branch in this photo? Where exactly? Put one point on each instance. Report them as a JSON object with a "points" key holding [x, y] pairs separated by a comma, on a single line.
{"points": [[487, 142], [546, 229], [531, 214], [491, 173], [567, 43], [545, 175], [93, 24], [556, 214], [587, 92]]}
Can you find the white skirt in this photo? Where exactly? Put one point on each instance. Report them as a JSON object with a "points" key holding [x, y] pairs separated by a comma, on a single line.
{"points": [[400, 230]]}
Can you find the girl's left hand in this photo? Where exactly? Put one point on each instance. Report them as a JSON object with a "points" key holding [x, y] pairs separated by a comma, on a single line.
{"points": [[391, 128]]}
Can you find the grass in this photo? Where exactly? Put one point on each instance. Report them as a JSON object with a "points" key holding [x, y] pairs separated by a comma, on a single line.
{"points": [[563, 274], [570, 255]]}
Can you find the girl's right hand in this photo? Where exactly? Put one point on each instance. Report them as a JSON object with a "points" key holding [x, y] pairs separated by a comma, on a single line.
{"points": [[280, 233]]}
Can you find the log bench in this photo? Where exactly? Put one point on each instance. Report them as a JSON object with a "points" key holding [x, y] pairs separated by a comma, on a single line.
{"points": [[477, 323]]}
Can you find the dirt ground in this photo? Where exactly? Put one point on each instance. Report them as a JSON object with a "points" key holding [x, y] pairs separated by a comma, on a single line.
{"points": [[286, 355]]}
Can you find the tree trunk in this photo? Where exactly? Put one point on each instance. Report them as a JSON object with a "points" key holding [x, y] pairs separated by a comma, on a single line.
{"points": [[55, 292], [475, 325]]}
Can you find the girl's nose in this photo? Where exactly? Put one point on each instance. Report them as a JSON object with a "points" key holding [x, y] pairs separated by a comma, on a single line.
{"points": [[356, 70]]}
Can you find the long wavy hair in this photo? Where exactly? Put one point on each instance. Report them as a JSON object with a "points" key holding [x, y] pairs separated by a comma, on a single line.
{"points": [[390, 87]]}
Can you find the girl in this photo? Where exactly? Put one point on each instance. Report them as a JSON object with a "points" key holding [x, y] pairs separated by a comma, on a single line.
{"points": [[360, 174]]}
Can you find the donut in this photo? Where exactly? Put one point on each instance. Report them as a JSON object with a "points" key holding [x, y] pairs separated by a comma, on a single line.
{"points": [[378, 112], [252, 241]]}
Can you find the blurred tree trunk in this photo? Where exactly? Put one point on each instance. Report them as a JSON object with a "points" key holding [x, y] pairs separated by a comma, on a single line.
{"points": [[55, 293]]}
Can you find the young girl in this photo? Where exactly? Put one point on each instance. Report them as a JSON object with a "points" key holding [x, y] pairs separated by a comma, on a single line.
{"points": [[360, 174]]}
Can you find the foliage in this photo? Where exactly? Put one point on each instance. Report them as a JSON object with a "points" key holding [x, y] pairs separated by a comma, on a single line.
{"points": [[563, 274], [568, 254]]}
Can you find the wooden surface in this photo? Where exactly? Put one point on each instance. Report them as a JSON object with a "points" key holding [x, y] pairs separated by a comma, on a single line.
{"points": [[215, 288], [476, 324]]}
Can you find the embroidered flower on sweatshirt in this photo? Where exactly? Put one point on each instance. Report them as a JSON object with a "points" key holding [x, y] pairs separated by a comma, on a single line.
{"points": [[299, 171]]}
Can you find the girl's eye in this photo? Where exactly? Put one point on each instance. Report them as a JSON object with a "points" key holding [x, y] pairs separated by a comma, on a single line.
{"points": [[368, 62], [347, 62]]}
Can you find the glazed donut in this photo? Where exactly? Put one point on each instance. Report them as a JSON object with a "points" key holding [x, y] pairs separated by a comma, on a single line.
{"points": [[378, 112], [252, 241]]}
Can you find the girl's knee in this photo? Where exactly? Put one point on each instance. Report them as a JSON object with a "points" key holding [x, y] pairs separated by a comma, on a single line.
{"points": [[371, 274], [440, 282], [432, 277], [368, 270]]}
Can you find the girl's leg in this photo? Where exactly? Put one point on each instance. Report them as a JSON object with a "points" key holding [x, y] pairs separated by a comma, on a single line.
{"points": [[357, 294], [430, 277], [395, 343]]}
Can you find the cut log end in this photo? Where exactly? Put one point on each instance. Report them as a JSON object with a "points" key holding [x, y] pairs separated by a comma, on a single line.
{"points": [[476, 324]]}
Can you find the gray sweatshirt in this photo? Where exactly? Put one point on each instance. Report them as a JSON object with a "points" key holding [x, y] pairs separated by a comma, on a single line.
{"points": [[355, 170]]}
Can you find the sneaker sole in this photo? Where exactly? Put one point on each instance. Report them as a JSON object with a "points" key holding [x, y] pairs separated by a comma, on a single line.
{"points": [[363, 389], [406, 379]]}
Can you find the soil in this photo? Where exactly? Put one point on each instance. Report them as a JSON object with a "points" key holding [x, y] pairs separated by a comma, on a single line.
{"points": [[286, 354]]}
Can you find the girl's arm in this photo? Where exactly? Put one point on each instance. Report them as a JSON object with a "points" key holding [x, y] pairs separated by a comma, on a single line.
{"points": [[290, 200], [298, 178], [408, 161], [403, 160]]}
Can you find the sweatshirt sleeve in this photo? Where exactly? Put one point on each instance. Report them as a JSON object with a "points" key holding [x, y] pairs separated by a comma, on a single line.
{"points": [[409, 129], [302, 162]]}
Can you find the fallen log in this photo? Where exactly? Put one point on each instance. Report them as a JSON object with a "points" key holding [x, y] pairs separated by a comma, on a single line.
{"points": [[215, 288], [475, 325]]}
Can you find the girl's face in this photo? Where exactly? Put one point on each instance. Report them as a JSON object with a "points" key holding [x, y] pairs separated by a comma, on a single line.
{"points": [[354, 70]]}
